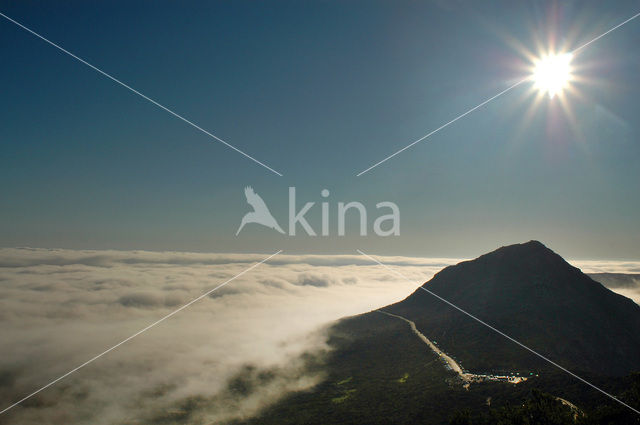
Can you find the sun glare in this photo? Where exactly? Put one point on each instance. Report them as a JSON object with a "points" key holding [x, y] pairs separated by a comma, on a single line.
{"points": [[553, 73]]}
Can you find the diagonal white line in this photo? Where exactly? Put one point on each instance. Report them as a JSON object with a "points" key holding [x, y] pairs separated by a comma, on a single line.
{"points": [[499, 332], [139, 332], [175, 114], [443, 126], [489, 100], [607, 32]]}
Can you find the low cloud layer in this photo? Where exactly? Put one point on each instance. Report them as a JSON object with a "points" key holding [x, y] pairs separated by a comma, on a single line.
{"points": [[624, 284], [59, 308], [225, 356], [622, 277]]}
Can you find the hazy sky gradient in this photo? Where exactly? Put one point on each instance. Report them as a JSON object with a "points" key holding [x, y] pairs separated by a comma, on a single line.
{"points": [[319, 91]]}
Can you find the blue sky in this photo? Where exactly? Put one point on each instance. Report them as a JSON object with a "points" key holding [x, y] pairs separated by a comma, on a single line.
{"points": [[319, 91]]}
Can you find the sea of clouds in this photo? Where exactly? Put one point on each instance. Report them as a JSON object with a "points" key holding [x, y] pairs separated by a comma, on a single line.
{"points": [[59, 308], [224, 357]]}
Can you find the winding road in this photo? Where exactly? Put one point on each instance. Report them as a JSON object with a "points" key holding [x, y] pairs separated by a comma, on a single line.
{"points": [[450, 363]]}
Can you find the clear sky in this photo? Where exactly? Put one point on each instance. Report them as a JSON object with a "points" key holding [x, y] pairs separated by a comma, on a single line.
{"points": [[318, 91]]}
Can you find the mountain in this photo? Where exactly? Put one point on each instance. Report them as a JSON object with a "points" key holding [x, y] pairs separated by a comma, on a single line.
{"points": [[386, 366], [530, 293]]}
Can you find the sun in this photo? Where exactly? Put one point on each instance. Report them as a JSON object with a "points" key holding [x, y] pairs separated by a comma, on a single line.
{"points": [[552, 73]]}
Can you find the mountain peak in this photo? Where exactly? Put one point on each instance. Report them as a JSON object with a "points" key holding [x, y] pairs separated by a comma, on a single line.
{"points": [[515, 263], [533, 247]]}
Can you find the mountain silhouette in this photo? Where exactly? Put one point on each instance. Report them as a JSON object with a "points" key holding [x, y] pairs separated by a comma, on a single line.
{"points": [[533, 295]]}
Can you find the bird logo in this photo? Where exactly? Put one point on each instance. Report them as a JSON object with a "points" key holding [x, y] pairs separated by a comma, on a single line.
{"points": [[260, 213]]}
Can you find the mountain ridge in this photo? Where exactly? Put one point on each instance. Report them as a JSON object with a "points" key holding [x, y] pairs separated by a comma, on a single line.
{"points": [[532, 294]]}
